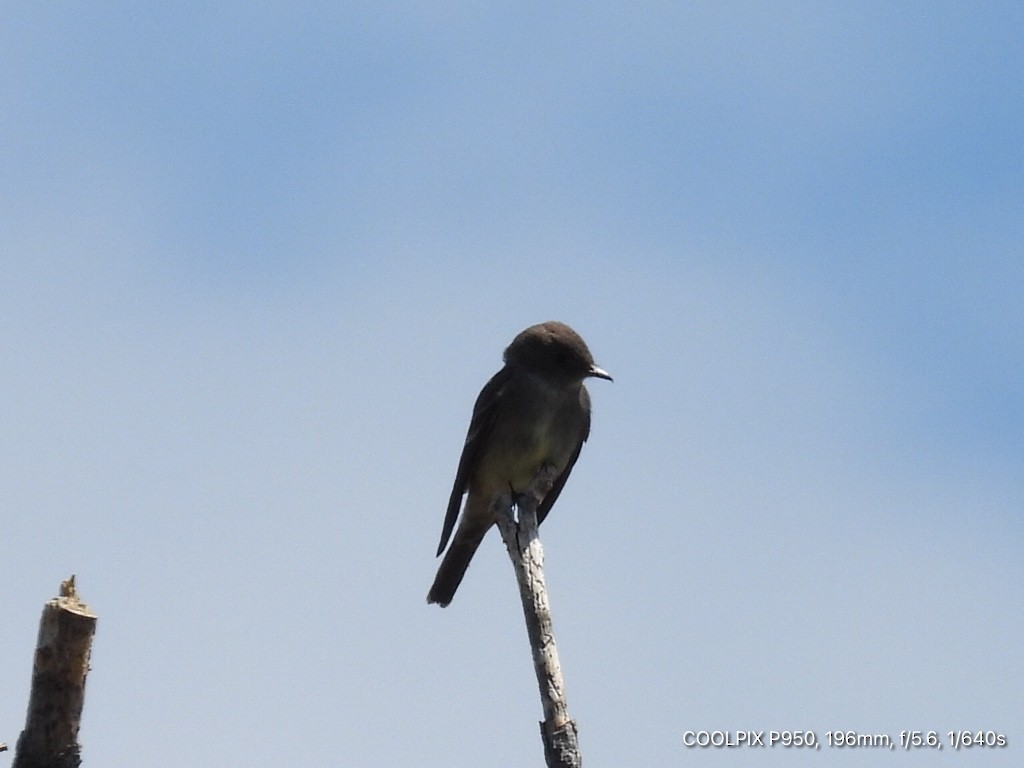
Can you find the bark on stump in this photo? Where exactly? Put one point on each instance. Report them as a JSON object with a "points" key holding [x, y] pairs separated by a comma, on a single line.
{"points": [[50, 738]]}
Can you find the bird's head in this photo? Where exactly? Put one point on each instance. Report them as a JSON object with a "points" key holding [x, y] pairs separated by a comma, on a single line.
{"points": [[555, 350]]}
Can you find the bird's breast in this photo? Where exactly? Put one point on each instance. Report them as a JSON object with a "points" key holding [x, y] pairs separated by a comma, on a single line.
{"points": [[534, 427]]}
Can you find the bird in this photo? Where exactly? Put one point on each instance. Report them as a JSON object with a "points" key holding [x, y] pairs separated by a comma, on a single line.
{"points": [[534, 411]]}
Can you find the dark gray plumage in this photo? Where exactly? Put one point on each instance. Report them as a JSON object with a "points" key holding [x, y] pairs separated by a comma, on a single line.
{"points": [[533, 411]]}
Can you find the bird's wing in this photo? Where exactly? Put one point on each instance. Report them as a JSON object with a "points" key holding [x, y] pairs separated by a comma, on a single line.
{"points": [[479, 430], [556, 488]]}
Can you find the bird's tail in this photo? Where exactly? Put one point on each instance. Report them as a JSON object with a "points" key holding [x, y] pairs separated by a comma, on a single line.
{"points": [[456, 561]]}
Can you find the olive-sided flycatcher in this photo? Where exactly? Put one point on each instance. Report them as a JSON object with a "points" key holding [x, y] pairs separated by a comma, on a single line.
{"points": [[532, 412]]}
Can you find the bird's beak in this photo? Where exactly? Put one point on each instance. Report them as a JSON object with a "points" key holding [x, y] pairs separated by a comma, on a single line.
{"points": [[599, 373]]}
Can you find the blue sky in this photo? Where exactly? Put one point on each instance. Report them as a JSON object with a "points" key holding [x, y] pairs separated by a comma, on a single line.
{"points": [[258, 261]]}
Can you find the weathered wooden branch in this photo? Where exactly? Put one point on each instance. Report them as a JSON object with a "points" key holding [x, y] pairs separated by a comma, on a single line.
{"points": [[558, 730], [50, 738]]}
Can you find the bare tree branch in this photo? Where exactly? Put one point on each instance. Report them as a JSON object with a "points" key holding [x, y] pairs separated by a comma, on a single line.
{"points": [[558, 730]]}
